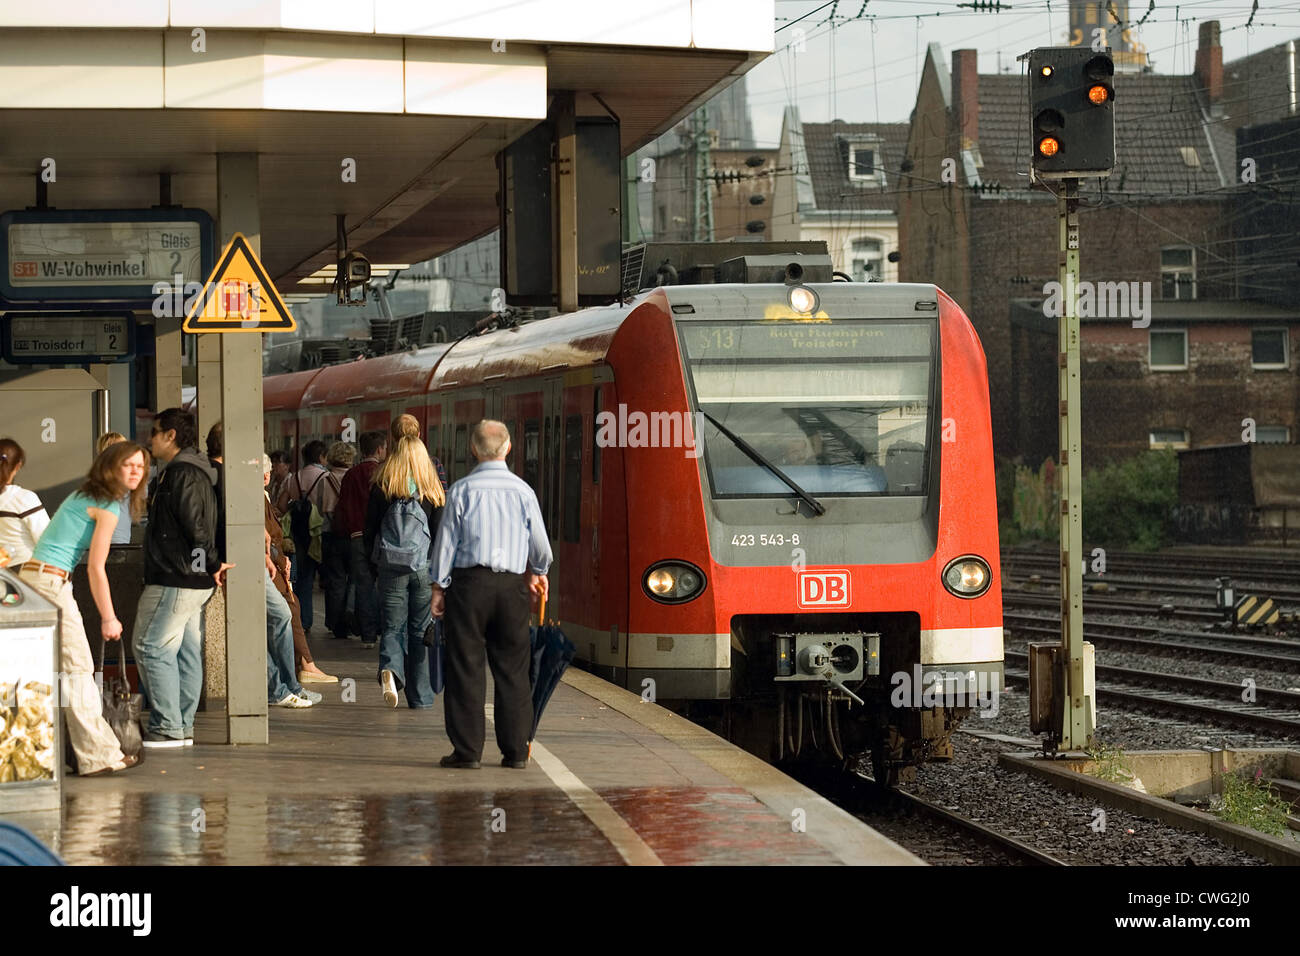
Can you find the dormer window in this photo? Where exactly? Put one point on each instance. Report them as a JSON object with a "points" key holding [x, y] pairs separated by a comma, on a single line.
{"points": [[862, 162], [861, 158]]}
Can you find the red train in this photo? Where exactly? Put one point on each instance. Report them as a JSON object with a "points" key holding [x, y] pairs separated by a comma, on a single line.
{"points": [[824, 559]]}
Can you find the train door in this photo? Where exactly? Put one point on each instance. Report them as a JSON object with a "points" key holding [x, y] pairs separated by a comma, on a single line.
{"points": [[550, 497]]}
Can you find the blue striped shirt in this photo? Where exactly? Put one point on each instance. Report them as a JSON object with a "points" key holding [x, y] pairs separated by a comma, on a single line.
{"points": [[491, 520]]}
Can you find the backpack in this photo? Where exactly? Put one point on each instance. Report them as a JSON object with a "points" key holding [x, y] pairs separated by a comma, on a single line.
{"points": [[404, 542], [301, 509]]}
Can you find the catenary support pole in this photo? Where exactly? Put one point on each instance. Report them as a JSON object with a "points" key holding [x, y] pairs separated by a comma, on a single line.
{"points": [[1076, 729], [241, 401]]}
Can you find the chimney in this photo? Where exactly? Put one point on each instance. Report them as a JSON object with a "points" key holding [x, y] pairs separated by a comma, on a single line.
{"points": [[966, 96], [1209, 61]]}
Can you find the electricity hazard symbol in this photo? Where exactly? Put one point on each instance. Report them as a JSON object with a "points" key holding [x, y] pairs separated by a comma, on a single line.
{"points": [[239, 296]]}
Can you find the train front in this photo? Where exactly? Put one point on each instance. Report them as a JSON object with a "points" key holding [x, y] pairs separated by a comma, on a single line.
{"points": [[837, 581]]}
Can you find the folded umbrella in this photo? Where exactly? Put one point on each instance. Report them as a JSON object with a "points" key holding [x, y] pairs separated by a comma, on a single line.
{"points": [[552, 652]]}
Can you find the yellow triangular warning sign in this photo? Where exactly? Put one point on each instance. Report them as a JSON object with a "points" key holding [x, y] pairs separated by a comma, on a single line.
{"points": [[239, 296]]}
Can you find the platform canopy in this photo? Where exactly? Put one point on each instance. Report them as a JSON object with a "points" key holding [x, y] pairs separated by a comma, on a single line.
{"points": [[419, 94]]}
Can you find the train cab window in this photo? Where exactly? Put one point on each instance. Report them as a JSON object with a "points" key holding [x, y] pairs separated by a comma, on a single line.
{"points": [[460, 462], [532, 455], [573, 478], [841, 409]]}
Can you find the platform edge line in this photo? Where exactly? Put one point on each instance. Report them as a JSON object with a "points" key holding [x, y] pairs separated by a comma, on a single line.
{"points": [[634, 850], [756, 776]]}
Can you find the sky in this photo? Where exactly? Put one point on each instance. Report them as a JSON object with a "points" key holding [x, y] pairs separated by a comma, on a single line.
{"points": [[867, 70]]}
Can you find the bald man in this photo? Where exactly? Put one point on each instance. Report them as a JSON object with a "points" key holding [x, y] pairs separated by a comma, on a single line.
{"points": [[490, 553]]}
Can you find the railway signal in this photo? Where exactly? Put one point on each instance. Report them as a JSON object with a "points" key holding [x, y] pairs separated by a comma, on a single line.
{"points": [[1072, 119], [1072, 111]]}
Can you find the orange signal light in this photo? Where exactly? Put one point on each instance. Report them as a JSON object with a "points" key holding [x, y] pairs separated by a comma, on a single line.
{"points": [[1049, 146], [1097, 95]]}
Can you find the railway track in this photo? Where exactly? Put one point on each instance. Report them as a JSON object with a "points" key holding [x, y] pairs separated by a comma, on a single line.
{"points": [[1283, 570], [859, 794], [1274, 712], [1113, 582], [1101, 604], [1274, 654]]}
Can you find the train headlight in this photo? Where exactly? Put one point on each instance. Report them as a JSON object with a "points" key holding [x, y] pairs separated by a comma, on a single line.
{"points": [[802, 299], [968, 576], [673, 582]]}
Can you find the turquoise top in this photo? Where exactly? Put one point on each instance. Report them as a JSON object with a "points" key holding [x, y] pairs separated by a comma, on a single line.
{"points": [[67, 539]]}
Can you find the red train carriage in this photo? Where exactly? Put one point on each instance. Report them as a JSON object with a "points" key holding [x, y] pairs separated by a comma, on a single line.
{"points": [[789, 511]]}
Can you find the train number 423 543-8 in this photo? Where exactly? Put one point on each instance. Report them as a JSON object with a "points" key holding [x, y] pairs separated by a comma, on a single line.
{"points": [[763, 540]]}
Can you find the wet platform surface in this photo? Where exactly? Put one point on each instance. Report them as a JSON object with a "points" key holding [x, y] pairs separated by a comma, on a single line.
{"points": [[613, 781]]}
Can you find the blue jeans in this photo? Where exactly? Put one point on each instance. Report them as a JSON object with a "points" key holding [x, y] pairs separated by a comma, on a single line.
{"points": [[306, 580], [367, 598], [281, 678], [169, 656], [406, 599]]}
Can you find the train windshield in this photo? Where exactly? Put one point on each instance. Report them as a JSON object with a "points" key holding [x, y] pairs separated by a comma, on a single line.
{"points": [[839, 408]]}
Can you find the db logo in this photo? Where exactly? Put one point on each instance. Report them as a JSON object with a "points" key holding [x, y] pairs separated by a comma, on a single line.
{"points": [[823, 588]]}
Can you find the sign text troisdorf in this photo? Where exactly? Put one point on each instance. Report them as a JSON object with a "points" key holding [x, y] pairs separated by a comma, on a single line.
{"points": [[239, 296]]}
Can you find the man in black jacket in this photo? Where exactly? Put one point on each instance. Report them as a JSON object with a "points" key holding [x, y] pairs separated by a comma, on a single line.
{"points": [[181, 566]]}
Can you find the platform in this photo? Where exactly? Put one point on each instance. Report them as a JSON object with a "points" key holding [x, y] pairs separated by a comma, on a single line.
{"points": [[614, 780]]}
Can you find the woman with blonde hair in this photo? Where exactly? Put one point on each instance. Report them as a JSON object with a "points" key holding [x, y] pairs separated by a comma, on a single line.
{"points": [[122, 533], [406, 500], [84, 523]]}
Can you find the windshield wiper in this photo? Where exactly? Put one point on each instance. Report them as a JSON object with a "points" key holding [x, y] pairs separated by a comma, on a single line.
{"points": [[757, 458]]}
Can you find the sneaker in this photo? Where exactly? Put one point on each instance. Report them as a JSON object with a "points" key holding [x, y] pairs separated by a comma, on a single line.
{"points": [[369, 645], [311, 695], [389, 683], [293, 701], [159, 742]]}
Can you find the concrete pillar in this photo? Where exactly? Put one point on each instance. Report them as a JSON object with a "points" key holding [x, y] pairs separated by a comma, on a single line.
{"points": [[117, 379], [208, 402], [566, 202], [167, 363], [241, 410]]}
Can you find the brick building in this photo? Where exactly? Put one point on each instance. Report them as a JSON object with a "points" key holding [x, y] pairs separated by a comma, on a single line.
{"points": [[1168, 216], [839, 184], [742, 183]]}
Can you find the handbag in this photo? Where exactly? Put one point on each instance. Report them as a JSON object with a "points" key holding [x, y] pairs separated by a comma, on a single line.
{"points": [[121, 707], [434, 640]]}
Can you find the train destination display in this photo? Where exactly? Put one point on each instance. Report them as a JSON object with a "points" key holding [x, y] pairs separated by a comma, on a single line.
{"points": [[101, 254], [54, 339]]}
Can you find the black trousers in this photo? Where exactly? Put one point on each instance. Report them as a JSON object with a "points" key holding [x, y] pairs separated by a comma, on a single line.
{"points": [[487, 613]]}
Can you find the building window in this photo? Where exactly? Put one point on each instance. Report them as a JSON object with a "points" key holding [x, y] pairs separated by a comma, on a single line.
{"points": [[1169, 438], [868, 258], [862, 161], [1272, 434], [1178, 272], [1168, 350], [1268, 348]]}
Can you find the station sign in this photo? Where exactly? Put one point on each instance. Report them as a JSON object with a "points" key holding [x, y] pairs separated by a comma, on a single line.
{"points": [[239, 296], [96, 255], [67, 338]]}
